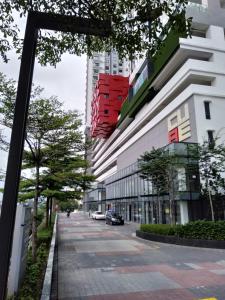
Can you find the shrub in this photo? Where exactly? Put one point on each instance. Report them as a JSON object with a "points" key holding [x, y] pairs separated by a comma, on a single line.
{"points": [[33, 279], [32, 282], [200, 230], [205, 230], [164, 229], [44, 236]]}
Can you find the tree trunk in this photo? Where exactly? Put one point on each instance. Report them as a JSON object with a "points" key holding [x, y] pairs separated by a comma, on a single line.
{"points": [[172, 208], [211, 205], [50, 215], [172, 196], [159, 209], [34, 221], [47, 213]]}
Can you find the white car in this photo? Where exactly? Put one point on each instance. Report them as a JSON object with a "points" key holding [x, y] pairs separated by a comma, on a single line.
{"points": [[98, 215]]}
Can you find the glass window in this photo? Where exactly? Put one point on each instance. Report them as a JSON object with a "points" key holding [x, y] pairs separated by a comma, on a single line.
{"points": [[210, 137], [207, 110], [181, 178], [145, 187]]}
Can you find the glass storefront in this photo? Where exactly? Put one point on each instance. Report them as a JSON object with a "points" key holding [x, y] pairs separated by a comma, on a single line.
{"points": [[136, 199]]}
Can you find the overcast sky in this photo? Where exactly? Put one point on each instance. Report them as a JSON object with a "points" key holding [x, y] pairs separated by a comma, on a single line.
{"points": [[67, 80]]}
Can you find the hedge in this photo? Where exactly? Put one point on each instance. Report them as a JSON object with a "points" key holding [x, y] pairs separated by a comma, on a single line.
{"points": [[163, 229], [203, 230], [32, 283], [206, 230]]}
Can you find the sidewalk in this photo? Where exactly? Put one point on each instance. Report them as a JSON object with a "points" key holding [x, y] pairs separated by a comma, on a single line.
{"points": [[101, 262]]}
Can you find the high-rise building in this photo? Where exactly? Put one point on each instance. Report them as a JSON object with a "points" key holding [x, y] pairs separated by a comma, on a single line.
{"points": [[107, 63], [175, 101]]}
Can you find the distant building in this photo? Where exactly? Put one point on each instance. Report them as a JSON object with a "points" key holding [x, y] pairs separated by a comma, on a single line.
{"points": [[106, 63]]}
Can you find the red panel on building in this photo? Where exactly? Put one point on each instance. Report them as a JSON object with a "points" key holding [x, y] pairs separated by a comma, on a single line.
{"points": [[173, 135], [108, 97]]}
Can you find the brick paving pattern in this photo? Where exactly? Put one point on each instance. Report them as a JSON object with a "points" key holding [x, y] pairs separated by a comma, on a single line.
{"points": [[101, 262]]}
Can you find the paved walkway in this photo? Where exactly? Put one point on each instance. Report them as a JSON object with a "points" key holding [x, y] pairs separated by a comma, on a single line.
{"points": [[102, 262]]}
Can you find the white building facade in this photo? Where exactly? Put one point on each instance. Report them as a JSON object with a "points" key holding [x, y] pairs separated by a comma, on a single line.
{"points": [[183, 101]]}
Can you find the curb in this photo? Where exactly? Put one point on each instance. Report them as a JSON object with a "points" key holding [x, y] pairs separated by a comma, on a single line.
{"points": [[170, 239], [46, 289]]}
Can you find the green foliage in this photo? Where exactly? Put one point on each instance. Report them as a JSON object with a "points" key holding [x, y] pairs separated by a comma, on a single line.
{"points": [[211, 166], [164, 229], [44, 236], [155, 165], [32, 282], [206, 230], [159, 61], [69, 204], [130, 36], [34, 274], [202, 230]]}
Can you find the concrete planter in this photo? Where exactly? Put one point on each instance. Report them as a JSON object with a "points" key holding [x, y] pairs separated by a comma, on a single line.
{"points": [[46, 289], [170, 239]]}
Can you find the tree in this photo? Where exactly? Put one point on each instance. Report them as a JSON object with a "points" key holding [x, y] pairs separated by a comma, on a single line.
{"points": [[152, 166], [137, 26], [168, 169], [212, 168], [54, 145], [68, 205], [64, 177], [160, 167]]}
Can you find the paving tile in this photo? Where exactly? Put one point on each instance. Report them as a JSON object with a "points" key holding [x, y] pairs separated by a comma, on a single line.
{"points": [[218, 272], [189, 278], [102, 246], [173, 294], [101, 262], [204, 292]]}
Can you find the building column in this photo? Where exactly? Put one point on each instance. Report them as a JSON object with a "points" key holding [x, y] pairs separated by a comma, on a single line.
{"points": [[184, 218]]}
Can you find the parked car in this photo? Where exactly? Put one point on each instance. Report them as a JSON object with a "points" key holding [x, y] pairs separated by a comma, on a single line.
{"points": [[98, 215], [113, 218]]}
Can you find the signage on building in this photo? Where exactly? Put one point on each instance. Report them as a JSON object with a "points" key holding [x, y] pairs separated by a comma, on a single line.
{"points": [[179, 128]]}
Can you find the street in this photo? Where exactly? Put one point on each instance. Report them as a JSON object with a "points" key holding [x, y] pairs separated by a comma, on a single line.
{"points": [[102, 262]]}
